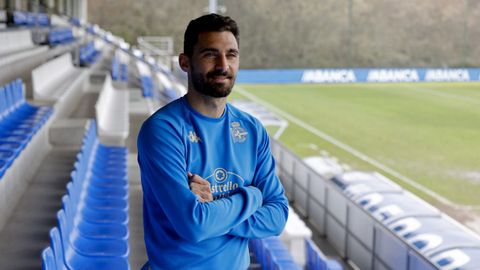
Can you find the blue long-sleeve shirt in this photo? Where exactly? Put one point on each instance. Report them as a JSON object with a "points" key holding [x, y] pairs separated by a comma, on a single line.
{"points": [[231, 152]]}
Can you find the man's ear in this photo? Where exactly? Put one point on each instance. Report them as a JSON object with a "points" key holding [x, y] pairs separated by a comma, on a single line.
{"points": [[184, 62]]}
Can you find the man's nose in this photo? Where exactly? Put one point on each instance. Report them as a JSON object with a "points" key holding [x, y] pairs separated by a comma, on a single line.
{"points": [[222, 63]]}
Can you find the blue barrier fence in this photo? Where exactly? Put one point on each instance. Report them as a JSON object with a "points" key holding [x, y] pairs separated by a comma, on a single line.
{"points": [[358, 75]]}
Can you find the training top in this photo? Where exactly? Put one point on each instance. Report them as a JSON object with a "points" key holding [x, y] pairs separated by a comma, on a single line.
{"points": [[231, 152]]}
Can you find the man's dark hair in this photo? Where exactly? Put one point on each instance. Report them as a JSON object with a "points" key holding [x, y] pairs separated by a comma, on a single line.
{"points": [[207, 23]]}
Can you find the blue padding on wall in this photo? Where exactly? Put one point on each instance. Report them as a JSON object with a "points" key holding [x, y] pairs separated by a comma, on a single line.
{"points": [[358, 75]]}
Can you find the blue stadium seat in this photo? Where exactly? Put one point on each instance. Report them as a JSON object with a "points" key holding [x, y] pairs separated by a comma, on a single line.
{"points": [[272, 254], [60, 36], [88, 54], [93, 247], [48, 260], [147, 86], [19, 18], [57, 247], [75, 21], [28, 19], [316, 259], [19, 121], [115, 69], [93, 222]]}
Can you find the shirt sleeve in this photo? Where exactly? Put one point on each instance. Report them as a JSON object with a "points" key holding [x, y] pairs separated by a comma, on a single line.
{"points": [[271, 217], [161, 156]]}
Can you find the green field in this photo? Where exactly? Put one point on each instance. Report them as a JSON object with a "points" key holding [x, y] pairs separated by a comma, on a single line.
{"points": [[427, 132]]}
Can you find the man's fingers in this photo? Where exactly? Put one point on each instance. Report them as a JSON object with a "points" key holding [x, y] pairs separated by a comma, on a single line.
{"points": [[198, 179], [200, 187], [197, 187], [195, 177]]}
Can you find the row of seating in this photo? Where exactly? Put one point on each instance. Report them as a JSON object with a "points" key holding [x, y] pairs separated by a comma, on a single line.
{"points": [[60, 36], [420, 225], [147, 86], [21, 18], [316, 260], [88, 54], [169, 92], [145, 75], [75, 21], [272, 254], [92, 230], [119, 70], [19, 121]]}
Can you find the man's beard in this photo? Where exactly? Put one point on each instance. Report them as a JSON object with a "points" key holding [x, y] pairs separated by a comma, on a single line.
{"points": [[211, 89]]}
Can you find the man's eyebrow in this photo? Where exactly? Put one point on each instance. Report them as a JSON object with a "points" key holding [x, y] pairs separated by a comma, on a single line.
{"points": [[209, 50], [217, 50]]}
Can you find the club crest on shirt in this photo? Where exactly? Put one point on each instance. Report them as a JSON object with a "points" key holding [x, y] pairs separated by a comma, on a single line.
{"points": [[192, 136], [239, 134]]}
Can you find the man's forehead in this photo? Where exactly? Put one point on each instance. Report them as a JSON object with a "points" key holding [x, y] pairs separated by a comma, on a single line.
{"points": [[213, 39]]}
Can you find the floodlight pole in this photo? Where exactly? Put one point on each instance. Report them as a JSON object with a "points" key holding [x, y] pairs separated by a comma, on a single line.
{"points": [[350, 32], [212, 6], [465, 32]]}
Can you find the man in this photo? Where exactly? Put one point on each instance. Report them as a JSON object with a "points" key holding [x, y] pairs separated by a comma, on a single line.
{"points": [[208, 176]]}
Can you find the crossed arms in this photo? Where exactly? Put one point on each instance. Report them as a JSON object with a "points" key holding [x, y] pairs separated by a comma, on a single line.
{"points": [[255, 211]]}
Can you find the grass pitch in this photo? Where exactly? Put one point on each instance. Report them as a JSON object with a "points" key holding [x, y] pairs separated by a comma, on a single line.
{"points": [[428, 132]]}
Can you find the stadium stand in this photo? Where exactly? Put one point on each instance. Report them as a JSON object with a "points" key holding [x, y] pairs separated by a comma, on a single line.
{"points": [[92, 230], [22, 134], [373, 223], [368, 221]]}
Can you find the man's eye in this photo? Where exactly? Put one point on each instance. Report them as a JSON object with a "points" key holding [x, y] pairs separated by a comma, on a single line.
{"points": [[208, 55], [232, 55]]}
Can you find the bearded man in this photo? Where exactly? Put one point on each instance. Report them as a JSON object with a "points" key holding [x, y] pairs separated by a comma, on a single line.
{"points": [[208, 175]]}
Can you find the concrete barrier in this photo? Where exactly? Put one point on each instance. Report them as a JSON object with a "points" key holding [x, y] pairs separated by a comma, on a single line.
{"points": [[112, 114], [58, 82], [16, 45]]}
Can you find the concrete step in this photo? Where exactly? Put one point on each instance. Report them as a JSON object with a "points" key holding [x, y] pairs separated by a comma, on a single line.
{"points": [[67, 132]]}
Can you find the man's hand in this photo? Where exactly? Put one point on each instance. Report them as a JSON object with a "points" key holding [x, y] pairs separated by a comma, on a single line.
{"points": [[200, 187]]}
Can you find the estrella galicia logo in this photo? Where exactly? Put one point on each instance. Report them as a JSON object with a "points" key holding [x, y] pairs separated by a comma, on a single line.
{"points": [[239, 134], [220, 175], [223, 183]]}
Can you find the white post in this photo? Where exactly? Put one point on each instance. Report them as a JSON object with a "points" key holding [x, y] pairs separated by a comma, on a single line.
{"points": [[212, 6]]}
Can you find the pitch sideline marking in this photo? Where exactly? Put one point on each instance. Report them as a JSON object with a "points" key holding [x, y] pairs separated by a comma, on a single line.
{"points": [[445, 94], [352, 151]]}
